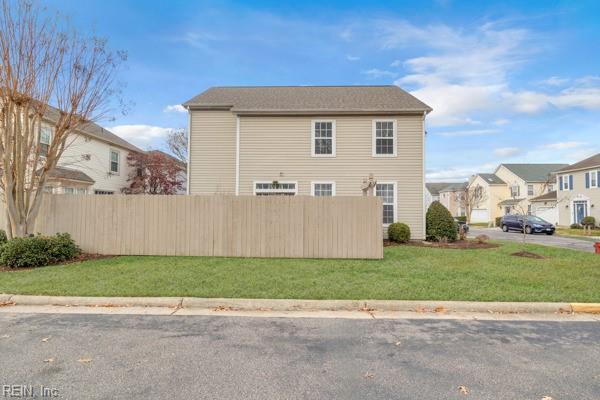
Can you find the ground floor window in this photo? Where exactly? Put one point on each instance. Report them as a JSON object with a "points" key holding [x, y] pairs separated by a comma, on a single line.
{"points": [[68, 190], [106, 192], [323, 189], [275, 188], [387, 191]]}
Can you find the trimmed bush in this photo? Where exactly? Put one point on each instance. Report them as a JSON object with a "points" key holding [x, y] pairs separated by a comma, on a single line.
{"points": [[462, 218], [3, 237], [498, 221], [589, 221], [576, 226], [36, 251], [399, 232], [440, 224]]}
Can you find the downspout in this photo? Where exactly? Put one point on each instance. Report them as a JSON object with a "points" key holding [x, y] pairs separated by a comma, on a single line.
{"points": [[423, 177], [237, 156], [189, 147]]}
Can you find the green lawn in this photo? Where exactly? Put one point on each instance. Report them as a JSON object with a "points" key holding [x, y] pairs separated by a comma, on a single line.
{"points": [[578, 233], [406, 273]]}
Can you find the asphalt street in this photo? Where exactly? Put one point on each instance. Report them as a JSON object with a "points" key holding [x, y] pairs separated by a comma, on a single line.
{"points": [[538, 238], [213, 357]]}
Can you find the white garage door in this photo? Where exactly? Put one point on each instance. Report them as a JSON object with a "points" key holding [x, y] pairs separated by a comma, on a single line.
{"points": [[480, 215], [549, 214]]}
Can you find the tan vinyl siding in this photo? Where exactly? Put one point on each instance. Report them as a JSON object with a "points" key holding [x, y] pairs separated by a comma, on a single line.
{"points": [[565, 198], [212, 152], [279, 148]]}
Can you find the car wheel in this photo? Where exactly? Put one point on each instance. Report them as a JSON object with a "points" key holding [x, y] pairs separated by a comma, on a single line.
{"points": [[504, 228], [549, 233], [528, 230]]}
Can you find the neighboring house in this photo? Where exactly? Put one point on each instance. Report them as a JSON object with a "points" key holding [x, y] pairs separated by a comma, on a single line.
{"points": [[311, 140], [451, 197], [510, 189], [578, 192], [432, 192], [94, 162]]}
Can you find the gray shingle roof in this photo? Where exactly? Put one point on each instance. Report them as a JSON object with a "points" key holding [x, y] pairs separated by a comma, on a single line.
{"points": [[309, 100], [534, 172], [590, 162], [70, 174], [435, 187], [453, 187], [545, 197], [95, 131], [492, 179]]}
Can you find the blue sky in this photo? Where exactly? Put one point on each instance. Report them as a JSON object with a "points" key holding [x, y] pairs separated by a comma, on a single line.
{"points": [[509, 81]]}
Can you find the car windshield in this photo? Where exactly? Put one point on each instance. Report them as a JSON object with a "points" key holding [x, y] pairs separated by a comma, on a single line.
{"points": [[533, 218]]}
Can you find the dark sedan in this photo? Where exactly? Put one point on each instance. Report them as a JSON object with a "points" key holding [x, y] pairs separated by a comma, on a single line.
{"points": [[532, 224]]}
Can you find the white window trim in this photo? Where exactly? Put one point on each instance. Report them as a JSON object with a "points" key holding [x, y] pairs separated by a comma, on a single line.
{"points": [[374, 138], [274, 190], [312, 138], [395, 204], [595, 174], [532, 190], [566, 186], [42, 126], [312, 187], [110, 151]]}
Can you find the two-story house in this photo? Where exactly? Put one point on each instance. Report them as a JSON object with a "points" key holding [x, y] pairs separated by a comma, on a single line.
{"points": [[578, 192], [94, 161], [451, 197], [311, 140], [510, 189]]}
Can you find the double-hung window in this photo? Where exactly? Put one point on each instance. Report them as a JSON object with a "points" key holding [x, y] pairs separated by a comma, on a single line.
{"points": [[323, 139], [115, 160], [45, 139], [529, 190], [515, 191], [387, 191], [384, 138], [274, 188], [323, 189], [591, 179], [565, 182], [69, 190]]}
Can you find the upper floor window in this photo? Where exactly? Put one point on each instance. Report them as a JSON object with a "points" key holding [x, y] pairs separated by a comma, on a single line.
{"points": [[529, 190], [384, 138], [323, 189], [592, 179], [323, 138], [115, 161], [515, 191], [565, 182], [551, 187], [45, 139]]}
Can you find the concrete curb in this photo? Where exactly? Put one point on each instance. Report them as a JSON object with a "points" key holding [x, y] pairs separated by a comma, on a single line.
{"points": [[304, 305]]}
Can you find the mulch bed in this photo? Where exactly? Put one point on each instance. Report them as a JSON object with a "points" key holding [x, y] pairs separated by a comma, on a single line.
{"points": [[458, 245], [80, 258], [527, 254]]}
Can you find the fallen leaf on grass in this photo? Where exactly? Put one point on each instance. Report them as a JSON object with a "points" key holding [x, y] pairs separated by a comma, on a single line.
{"points": [[546, 398], [223, 308], [462, 389], [369, 375], [45, 340], [398, 343], [49, 360], [84, 360], [7, 303]]}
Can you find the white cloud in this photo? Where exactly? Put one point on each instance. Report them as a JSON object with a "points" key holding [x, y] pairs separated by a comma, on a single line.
{"points": [[177, 108], [455, 174], [573, 97], [140, 135], [471, 132], [563, 145], [501, 121], [352, 58], [554, 81], [375, 73], [507, 151], [396, 63]]}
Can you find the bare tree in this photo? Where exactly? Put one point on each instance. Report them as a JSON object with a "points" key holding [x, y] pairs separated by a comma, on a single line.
{"points": [[177, 141], [469, 198], [40, 64]]}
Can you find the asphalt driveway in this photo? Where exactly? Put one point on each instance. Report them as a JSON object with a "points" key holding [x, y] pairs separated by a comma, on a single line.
{"points": [[543, 239]]}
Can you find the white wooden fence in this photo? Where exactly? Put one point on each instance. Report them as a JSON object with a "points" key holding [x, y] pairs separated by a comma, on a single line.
{"points": [[244, 226]]}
